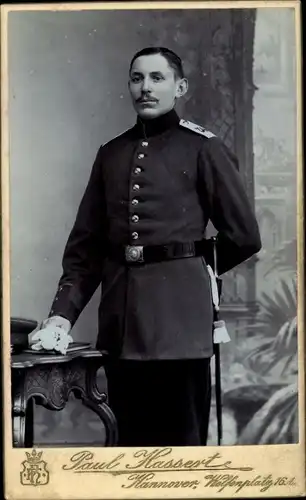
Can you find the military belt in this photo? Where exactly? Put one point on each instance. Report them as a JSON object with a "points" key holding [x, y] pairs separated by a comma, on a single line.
{"points": [[145, 254]]}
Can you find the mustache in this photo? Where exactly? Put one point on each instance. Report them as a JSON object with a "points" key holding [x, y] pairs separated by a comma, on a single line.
{"points": [[146, 99]]}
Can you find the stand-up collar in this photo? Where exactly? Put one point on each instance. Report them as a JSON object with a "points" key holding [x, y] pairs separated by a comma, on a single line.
{"points": [[155, 126]]}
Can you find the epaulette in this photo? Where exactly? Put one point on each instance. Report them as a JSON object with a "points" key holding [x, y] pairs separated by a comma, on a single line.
{"points": [[196, 128]]}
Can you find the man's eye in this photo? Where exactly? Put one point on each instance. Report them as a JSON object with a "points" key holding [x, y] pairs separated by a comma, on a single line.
{"points": [[157, 78], [135, 79]]}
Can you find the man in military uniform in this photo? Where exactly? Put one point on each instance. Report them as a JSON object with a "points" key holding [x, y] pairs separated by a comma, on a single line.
{"points": [[139, 231]]}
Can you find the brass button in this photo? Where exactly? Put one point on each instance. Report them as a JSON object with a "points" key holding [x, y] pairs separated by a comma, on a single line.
{"points": [[135, 201], [137, 170], [136, 187], [135, 235], [144, 144], [140, 156], [135, 218]]}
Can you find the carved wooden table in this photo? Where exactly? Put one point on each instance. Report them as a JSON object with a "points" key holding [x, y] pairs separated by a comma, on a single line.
{"points": [[47, 380]]}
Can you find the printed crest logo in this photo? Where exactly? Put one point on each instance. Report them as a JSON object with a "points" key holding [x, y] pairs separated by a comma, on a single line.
{"points": [[34, 471]]}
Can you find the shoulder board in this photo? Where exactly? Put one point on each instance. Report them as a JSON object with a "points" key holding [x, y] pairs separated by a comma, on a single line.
{"points": [[196, 128]]}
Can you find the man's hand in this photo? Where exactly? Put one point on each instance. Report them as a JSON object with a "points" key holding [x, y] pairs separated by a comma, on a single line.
{"points": [[52, 334]]}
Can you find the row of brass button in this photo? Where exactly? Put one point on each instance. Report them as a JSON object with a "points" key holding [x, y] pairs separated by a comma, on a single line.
{"points": [[136, 187]]}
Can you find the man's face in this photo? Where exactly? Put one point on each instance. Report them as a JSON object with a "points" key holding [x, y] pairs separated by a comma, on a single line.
{"points": [[154, 86]]}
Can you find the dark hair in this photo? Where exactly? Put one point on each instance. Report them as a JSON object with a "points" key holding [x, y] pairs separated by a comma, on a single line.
{"points": [[173, 59]]}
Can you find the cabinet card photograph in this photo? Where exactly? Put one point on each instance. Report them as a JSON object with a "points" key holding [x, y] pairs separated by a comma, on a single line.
{"points": [[152, 250]]}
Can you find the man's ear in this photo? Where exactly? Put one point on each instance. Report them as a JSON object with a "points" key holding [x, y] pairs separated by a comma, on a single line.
{"points": [[182, 87]]}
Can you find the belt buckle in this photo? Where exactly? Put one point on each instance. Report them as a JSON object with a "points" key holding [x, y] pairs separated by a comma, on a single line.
{"points": [[134, 253]]}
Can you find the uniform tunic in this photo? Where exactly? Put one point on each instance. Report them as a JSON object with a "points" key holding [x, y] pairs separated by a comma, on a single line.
{"points": [[157, 183]]}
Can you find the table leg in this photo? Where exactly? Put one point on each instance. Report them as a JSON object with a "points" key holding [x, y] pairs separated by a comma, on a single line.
{"points": [[107, 417], [22, 414], [93, 399]]}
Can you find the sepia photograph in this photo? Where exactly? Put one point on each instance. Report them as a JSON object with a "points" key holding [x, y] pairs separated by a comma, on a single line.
{"points": [[152, 243]]}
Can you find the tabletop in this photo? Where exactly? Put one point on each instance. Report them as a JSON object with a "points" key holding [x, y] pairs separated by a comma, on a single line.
{"points": [[29, 358]]}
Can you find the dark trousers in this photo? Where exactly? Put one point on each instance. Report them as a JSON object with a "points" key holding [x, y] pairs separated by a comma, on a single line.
{"points": [[160, 403]]}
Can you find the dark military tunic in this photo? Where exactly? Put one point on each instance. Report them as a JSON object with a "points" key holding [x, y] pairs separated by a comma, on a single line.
{"points": [[157, 183]]}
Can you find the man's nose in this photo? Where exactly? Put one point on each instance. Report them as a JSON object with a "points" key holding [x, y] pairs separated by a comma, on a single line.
{"points": [[146, 85]]}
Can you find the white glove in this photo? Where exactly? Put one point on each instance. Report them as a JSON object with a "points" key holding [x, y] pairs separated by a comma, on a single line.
{"points": [[53, 334]]}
